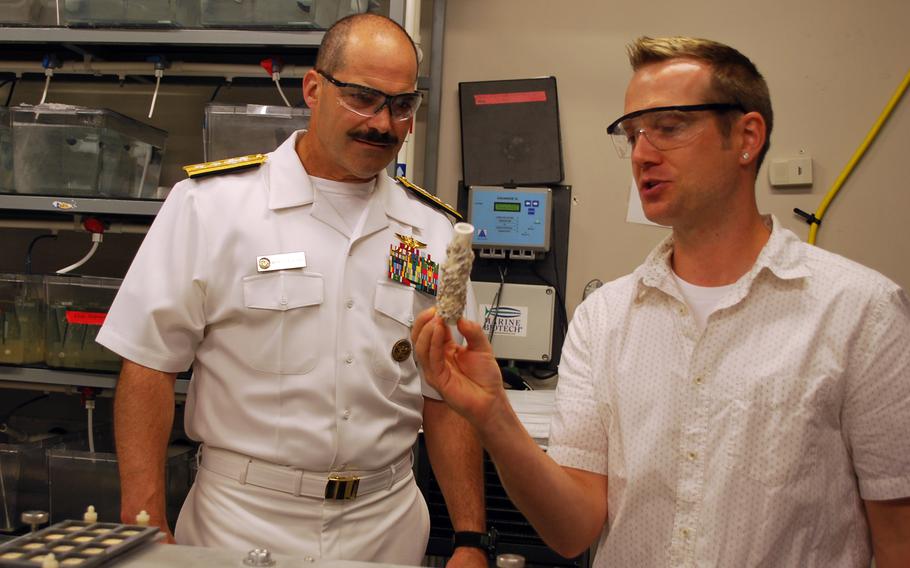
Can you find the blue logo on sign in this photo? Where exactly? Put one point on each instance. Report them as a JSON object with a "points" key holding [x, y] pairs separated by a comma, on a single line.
{"points": [[482, 234], [502, 312], [536, 203]]}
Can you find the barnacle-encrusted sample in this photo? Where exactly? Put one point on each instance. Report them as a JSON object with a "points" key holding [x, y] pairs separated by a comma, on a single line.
{"points": [[454, 275]]}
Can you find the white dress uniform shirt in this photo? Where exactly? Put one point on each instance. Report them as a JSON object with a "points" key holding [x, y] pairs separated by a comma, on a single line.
{"points": [[752, 442], [295, 366]]}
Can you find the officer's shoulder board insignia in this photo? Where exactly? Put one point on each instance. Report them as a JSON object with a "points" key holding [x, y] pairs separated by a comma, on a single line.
{"points": [[226, 166], [429, 198]]}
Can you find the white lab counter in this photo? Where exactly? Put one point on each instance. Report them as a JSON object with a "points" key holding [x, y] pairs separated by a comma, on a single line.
{"points": [[154, 555], [534, 409]]}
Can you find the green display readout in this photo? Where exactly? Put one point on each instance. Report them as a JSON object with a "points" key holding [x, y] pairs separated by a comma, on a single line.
{"points": [[508, 206]]}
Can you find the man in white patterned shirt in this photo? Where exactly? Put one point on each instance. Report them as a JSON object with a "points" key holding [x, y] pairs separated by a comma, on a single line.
{"points": [[742, 398]]}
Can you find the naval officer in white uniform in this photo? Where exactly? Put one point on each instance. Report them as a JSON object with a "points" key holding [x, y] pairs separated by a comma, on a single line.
{"points": [[278, 285]]}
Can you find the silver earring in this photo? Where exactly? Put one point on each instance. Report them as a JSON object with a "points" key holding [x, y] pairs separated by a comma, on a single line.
{"points": [[745, 155]]}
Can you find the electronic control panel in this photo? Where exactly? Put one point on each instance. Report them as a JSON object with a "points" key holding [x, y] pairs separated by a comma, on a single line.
{"points": [[513, 219]]}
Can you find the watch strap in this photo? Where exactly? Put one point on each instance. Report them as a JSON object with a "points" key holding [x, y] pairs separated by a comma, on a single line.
{"points": [[482, 540]]}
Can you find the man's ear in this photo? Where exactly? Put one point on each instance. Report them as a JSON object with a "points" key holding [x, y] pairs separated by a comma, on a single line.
{"points": [[752, 134], [312, 88]]}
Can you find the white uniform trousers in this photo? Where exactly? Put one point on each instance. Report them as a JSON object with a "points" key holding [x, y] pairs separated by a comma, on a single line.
{"points": [[390, 525]]}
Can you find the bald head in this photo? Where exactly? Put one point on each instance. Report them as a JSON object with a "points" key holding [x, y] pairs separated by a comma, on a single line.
{"points": [[355, 28]]}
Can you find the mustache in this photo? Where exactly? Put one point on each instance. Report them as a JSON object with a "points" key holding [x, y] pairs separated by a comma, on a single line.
{"points": [[374, 136]]}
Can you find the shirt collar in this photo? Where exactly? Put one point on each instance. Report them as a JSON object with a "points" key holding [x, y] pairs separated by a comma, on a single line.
{"points": [[290, 186], [401, 207], [778, 256]]}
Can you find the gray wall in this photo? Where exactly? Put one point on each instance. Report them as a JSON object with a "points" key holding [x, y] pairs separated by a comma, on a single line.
{"points": [[832, 65]]}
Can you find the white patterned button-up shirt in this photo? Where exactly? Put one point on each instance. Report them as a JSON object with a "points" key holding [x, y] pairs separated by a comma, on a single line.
{"points": [[754, 441]]}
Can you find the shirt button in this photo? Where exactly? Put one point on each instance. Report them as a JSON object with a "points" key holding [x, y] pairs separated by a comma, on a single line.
{"points": [[283, 301], [692, 456], [683, 310], [349, 304], [309, 559], [349, 359], [346, 414], [699, 380], [684, 533]]}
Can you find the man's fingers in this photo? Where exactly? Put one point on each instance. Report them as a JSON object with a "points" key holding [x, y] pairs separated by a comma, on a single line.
{"points": [[422, 319], [474, 335], [438, 341]]}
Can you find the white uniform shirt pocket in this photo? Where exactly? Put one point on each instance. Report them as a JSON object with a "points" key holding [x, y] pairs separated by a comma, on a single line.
{"points": [[393, 316], [283, 320]]}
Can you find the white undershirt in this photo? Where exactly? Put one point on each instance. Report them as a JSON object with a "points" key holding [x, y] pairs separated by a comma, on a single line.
{"points": [[701, 299], [349, 199]]}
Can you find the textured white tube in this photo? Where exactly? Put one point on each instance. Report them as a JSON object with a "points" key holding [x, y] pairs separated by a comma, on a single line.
{"points": [[84, 259], [455, 273]]}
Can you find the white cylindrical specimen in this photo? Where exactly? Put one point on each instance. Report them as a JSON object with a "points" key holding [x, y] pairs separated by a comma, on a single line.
{"points": [[90, 515], [142, 519], [455, 273]]}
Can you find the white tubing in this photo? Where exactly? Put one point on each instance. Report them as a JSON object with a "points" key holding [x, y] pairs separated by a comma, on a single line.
{"points": [[47, 83], [277, 78], [75, 225], [89, 406], [158, 74], [96, 240]]}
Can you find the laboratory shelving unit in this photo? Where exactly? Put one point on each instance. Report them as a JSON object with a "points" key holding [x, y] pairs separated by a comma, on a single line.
{"points": [[21, 49], [41, 379], [79, 205]]}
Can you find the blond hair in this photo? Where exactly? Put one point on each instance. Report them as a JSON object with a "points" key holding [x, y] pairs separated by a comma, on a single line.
{"points": [[735, 79]]}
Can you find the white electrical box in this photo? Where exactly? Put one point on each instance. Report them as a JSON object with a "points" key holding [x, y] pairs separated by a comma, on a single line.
{"points": [[794, 172], [522, 321]]}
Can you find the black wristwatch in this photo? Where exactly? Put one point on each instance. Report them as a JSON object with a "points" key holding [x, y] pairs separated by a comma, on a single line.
{"points": [[482, 540]]}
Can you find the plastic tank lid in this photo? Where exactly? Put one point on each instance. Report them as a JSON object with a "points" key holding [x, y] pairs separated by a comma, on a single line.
{"points": [[86, 281], [99, 116], [14, 277], [265, 110]]}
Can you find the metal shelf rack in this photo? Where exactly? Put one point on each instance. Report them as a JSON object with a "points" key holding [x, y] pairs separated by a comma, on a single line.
{"points": [[200, 43], [79, 205], [40, 378], [201, 37]]}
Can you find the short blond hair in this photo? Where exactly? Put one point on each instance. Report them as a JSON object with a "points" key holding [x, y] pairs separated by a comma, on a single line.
{"points": [[735, 78]]}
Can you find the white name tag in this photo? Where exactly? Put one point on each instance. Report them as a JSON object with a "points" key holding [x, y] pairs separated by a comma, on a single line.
{"points": [[280, 261]]}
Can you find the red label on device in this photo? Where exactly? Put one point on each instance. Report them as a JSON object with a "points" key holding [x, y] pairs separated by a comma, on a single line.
{"points": [[510, 98], [85, 318]]}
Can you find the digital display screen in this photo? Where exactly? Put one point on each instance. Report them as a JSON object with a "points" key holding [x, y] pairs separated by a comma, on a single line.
{"points": [[508, 206]]}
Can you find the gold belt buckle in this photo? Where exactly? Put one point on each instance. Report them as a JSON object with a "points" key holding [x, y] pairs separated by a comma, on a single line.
{"points": [[342, 487]]}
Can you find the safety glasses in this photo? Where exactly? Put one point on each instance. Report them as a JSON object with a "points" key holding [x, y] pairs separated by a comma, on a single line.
{"points": [[666, 127], [367, 101]]}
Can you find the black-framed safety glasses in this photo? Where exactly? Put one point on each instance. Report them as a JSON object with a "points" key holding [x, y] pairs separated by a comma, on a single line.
{"points": [[367, 101], [665, 127]]}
